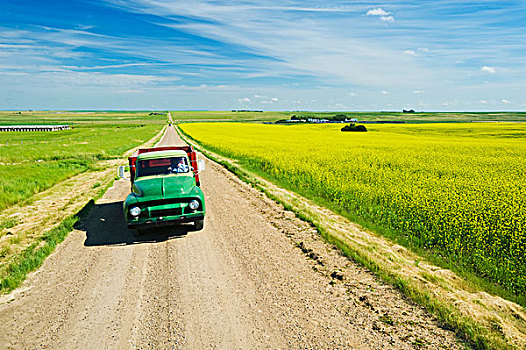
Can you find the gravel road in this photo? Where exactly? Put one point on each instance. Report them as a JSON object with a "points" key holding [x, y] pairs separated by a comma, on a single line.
{"points": [[255, 277]]}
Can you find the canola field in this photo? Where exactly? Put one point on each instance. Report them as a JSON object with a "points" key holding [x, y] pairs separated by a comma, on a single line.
{"points": [[456, 190]]}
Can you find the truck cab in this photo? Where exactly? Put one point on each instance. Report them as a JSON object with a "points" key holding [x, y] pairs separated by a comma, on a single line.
{"points": [[165, 188]]}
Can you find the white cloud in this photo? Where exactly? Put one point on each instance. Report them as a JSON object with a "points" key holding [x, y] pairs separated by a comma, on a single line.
{"points": [[84, 27], [484, 102], [409, 52], [487, 69], [385, 92], [417, 92], [352, 94], [378, 12], [132, 91], [245, 99], [384, 15], [202, 87], [274, 98], [423, 49], [506, 102]]}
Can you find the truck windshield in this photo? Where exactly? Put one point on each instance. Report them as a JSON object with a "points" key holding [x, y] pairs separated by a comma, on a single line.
{"points": [[161, 166]]}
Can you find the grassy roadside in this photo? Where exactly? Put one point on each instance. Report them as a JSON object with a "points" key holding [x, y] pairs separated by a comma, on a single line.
{"points": [[25, 246], [488, 322], [33, 256]]}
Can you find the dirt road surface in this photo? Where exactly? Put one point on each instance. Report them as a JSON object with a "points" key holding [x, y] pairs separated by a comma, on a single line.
{"points": [[255, 277]]}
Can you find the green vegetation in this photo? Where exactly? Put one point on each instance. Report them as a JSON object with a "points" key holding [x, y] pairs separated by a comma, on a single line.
{"points": [[452, 191], [354, 127], [34, 161], [227, 116], [34, 255], [78, 118]]}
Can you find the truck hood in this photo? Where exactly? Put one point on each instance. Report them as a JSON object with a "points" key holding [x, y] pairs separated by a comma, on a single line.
{"points": [[166, 186]]}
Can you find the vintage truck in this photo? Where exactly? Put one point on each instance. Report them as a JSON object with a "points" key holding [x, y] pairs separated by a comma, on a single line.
{"points": [[165, 188]]}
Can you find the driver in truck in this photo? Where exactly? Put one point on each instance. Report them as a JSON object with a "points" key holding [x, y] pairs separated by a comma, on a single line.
{"points": [[179, 165]]}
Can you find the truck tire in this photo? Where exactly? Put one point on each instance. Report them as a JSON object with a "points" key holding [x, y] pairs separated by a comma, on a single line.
{"points": [[199, 224]]}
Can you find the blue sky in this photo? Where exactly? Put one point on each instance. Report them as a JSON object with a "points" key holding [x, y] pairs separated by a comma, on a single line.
{"points": [[440, 55]]}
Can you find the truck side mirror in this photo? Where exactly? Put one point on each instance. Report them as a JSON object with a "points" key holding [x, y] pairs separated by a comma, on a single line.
{"points": [[122, 170], [200, 165]]}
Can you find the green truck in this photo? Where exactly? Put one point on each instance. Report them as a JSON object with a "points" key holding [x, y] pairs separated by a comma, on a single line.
{"points": [[165, 188]]}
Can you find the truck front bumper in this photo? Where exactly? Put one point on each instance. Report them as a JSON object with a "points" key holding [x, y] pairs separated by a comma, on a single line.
{"points": [[159, 222]]}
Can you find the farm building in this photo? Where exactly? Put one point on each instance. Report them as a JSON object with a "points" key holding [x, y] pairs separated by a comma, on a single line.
{"points": [[22, 128]]}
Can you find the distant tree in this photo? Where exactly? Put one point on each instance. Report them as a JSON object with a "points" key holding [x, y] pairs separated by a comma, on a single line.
{"points": [[354, 127], [338, 118]]}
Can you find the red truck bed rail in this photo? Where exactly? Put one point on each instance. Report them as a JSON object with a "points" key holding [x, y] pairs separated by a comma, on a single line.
{"points": [[192, 156]]}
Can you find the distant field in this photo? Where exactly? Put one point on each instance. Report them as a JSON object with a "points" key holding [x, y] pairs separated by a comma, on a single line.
{"points": [[457, 191], [77, 118], [365, 116], [31, 162], [228, 116], [87, 117], [426, 117]]}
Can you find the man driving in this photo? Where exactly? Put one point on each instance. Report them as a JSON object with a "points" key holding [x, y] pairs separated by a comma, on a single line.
{"points": [[179, 165]]}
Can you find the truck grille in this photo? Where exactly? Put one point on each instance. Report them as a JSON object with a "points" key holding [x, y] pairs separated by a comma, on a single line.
{"points": [[166, 212]]}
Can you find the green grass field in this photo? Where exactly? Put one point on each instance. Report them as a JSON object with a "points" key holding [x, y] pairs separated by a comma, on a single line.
{"points": [[455, 191], [77, 118], [34, 161], [186, 116]]}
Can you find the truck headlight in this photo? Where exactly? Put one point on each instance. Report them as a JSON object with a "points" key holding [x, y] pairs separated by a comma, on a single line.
{"points": [[193, 204], [135, 211]]}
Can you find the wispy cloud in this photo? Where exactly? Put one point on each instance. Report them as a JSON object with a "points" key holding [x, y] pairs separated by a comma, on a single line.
{"points": [[378, 12], [487, 69], [384, 15]]}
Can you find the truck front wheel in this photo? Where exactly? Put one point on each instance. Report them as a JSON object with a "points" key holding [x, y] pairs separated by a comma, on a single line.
{"points": [[199, 224]]}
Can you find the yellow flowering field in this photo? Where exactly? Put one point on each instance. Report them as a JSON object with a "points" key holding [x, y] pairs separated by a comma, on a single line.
{"points": [[458, 190]]}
